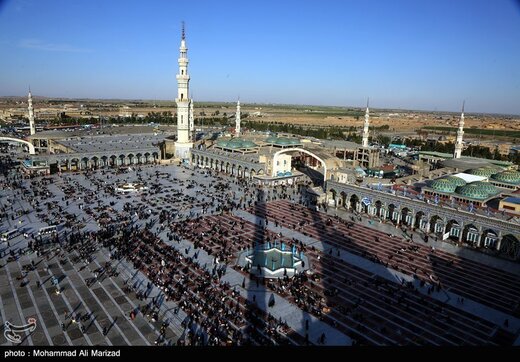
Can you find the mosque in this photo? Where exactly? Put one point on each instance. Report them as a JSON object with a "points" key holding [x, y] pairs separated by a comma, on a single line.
{"points": [[448, 201]]}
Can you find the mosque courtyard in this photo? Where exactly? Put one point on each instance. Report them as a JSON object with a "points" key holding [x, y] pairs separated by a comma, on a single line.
{"points": [[160, 266]]}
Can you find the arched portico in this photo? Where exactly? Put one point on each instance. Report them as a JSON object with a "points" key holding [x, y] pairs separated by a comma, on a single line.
{"points": [[288, 150]]}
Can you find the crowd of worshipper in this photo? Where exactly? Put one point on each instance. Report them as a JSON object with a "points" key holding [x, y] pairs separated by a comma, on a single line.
{"points": [[214, 309], [215, 312], [232, 319]]}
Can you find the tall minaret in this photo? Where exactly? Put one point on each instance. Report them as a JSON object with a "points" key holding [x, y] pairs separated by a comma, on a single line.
{"points": [[183, 144], [458, 144], [237, 119], [190, 118], [364, 143], [31, 114]]}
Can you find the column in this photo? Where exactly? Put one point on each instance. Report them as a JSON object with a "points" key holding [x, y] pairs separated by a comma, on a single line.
{"points": [[461, 232], [499, 240]]}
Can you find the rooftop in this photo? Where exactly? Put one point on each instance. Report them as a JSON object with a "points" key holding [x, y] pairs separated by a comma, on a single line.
{"points": [[112, 143], [513, 200]]}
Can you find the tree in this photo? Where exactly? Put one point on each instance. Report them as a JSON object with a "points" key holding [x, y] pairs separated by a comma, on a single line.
{"points": [[383, 140]]}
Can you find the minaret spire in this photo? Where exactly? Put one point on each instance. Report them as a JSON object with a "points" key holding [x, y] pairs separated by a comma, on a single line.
{"points": [[237, 119], [184, 142], [32, 127], [460, 132], [364, 142]]}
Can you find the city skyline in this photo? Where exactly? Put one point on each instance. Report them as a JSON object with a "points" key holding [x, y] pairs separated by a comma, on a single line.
{"points": [[410, 56]]}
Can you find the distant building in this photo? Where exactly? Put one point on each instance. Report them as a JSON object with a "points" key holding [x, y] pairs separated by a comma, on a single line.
{"points": [[510, 204]]}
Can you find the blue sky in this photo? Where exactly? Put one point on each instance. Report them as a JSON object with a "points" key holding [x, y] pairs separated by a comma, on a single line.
{"points": [[403, 54]]}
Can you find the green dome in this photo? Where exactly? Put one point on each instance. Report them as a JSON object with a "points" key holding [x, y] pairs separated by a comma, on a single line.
{"points": [[235, 146], [495, 168], [472, 191], [457, 181], [490, 189], [443, 185], [282, 141], [510, 177], [294, 141], [222, 143], [248, 144], [482, 171], [271, 139]]}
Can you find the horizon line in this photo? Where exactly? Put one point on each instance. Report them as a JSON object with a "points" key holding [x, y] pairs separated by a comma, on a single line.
{"points": [[264, 103]]}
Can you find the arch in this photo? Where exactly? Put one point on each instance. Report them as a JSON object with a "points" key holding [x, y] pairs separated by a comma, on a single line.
{"points": [[420, 221], [510, 246], [333, 194], [365, 204], [354, 201], [393, 213], [147, 157], [155, 156], [454, 229], [113, 160], [343, 197], [63, 164], [436, 224], [75, 163], [260, 172], [471, 235], [406, 216], [94, 161], [131, 158], [32, 150], [378, 207], [252, 173], [287, 150], [489, 238], [84, 162], [139, 158]]}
